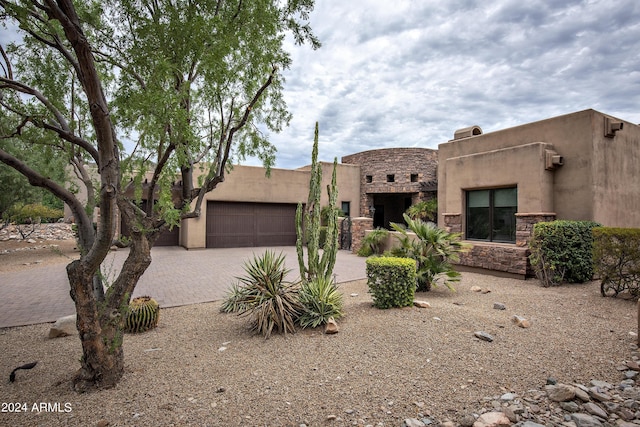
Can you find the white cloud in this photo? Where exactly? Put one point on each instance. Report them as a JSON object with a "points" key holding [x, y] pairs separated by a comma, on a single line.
{"points": [[409, 73]]}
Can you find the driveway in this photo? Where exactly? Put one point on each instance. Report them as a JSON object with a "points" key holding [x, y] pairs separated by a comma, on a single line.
{"points": [[175, 277]]}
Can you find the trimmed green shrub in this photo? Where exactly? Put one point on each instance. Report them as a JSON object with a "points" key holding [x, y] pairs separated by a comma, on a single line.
{"points": [[33, 213], [561, 251], [616, 259], [321, 300], [373, 242], [391, 281]]}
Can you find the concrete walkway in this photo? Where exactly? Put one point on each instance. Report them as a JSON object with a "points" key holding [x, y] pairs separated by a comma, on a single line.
{"points": [[175, 277]]}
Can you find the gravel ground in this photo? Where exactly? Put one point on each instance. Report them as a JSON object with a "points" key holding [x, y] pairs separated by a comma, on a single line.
{"points": [[201, 367]]}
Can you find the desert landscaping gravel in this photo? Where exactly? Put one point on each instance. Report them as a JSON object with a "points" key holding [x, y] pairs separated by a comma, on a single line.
{"points": [[204, 368]]}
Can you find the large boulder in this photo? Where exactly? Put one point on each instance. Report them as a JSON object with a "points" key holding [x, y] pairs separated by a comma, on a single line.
{"points": [[63, 327]]}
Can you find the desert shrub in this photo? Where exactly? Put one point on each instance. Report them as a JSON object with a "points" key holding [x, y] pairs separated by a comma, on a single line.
{"points": [[235, 299], [434, 249], [321, 301], [616, 259], [391, 281], [561, 251], [270, 301], [424, 210], [33, 213], [373, 242]]}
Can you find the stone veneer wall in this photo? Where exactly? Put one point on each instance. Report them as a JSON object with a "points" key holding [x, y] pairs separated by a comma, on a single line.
{"points": [[400, 162], [502, 257], [358, 227]]}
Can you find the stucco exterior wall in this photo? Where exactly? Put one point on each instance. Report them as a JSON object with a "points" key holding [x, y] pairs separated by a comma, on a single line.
{"points": [[597, 179], [249, 184]]}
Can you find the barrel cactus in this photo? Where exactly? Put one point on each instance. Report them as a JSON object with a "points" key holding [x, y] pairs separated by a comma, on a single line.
{"points": [[143, 314]]}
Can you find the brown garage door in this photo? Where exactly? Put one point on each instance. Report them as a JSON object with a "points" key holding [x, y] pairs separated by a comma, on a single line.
{"points": [[237, 224]]}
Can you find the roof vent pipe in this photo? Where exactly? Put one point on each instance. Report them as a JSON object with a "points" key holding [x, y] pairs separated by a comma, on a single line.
{"points": [[467, 132]]}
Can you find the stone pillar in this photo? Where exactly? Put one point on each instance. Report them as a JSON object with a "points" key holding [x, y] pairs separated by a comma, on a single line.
{"points": [[525, 223], [358, 227], [452, 222]]}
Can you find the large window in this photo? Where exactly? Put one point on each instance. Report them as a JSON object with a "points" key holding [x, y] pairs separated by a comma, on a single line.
{"points": [[491, 214]]}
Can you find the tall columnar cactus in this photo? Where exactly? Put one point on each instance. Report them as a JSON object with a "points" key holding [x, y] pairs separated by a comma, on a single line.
{"points": [[310, 222]]}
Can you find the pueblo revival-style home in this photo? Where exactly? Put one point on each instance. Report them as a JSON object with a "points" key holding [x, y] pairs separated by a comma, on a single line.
{"points": [[491, 188]]}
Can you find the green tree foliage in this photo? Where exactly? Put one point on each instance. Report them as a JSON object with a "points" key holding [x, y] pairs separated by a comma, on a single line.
{"points": [[561, 251], [434, 249], [193, 85]]}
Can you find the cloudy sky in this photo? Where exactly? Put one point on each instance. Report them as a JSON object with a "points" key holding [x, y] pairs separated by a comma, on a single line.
{"points": [[408, 73]]}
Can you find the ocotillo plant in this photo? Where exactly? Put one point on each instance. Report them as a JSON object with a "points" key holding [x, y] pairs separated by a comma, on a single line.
{"points": [[310, 222]]}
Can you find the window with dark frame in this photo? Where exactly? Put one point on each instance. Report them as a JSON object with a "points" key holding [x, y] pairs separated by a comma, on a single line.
{"points": [[391, 178], [491, 214], [369, 179], [414, 177], [346, 208]]}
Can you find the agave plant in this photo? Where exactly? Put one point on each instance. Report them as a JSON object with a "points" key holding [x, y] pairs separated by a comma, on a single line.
{"points": [[434, 249], [321, 300], [272, 303]]}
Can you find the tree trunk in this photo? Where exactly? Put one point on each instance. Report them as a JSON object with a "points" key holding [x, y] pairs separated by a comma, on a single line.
{"points": [[99, 323]]}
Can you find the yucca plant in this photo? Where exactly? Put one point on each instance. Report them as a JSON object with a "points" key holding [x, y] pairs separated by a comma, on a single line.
{"points": [[434, 249], [272, 303], [235, 299], [321, 300]]}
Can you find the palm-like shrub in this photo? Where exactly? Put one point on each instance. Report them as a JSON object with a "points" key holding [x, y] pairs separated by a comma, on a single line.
{"points": [[272, 303], [424, 210], [373, 242], [321, 300], [434, 250]]}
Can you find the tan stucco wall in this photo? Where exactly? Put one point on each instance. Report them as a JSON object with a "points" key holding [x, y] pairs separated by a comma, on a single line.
{"points": [[249, 184], [598, 180]]}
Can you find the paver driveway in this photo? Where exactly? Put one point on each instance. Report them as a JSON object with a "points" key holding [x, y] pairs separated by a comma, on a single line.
{"points": [[175, 277]]}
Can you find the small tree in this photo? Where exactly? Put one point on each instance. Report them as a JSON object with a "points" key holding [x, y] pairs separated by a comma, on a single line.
{"points": [[188, 82]]}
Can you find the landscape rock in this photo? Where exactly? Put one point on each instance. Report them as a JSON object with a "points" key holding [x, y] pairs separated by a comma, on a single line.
{"points": [[483, 336], [594, 409], [63, 327], [560, 392], [331, 327], [521, 321], [499, 306], [492, 419], [585, 420], [475, 289], [421, 304], [413, 422]]}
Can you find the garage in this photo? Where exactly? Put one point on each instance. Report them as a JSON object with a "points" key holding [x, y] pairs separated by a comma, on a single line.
{"points": [[243, 224]]}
